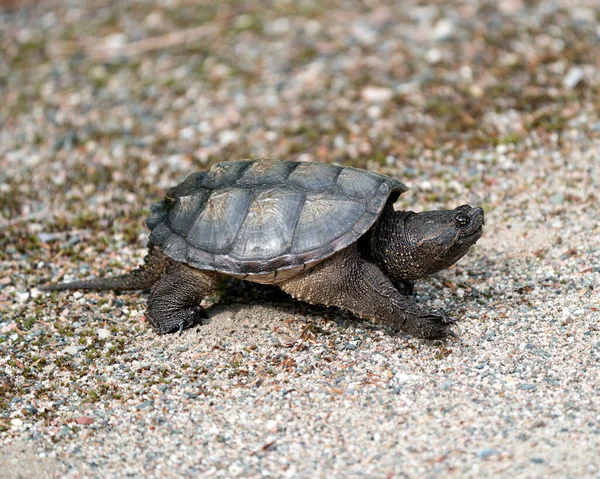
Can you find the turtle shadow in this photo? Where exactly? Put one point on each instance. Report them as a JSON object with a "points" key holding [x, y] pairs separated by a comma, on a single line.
{"points": [[235, 295], [237, 291], [240, 299]]}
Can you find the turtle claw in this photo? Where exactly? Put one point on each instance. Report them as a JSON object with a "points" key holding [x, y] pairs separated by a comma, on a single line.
{"points": [[434, 325], [179, 320], [198, 313], [445, 330], [444, 318]]}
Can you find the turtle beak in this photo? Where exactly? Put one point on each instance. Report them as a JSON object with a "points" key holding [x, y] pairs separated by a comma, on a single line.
{"points": [[477, 215], [475, 228], [478, 220]]}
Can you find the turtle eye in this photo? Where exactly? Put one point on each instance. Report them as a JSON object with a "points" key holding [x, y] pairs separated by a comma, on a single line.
{"points": [[461, 220]]}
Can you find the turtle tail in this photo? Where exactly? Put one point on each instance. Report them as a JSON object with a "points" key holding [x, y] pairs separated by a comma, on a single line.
{"points": [[143, 277]]}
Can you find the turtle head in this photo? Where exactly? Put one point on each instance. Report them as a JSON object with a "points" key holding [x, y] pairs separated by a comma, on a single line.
{"points": [[438, 239], [412, 245]]}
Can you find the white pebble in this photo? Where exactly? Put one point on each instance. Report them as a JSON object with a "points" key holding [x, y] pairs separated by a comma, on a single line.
{"points": [[573, 77], [227, 137], [376, 94], [443, 30], [23, 297], [403, 377], [16, 422], [433, 56], [103, 333], [426, 186], [72, 350], [115, 41], [374, 112]]}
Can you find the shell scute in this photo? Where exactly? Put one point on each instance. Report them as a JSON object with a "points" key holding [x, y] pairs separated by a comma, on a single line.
{"points": [[216, 227], [222, 174], [323, 219], [311, 178], [359, 183], [185, 209], [268, 229]]}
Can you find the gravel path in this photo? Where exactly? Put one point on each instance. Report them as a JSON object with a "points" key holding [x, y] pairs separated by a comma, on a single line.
{"points": [[106, 104]]}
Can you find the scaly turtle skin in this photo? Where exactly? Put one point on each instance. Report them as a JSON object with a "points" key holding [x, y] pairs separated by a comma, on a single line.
{"points": [[324, 234]]}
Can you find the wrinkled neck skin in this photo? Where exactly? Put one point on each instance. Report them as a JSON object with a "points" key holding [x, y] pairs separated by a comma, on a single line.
{"points": [[389, 247], [408, 245]]}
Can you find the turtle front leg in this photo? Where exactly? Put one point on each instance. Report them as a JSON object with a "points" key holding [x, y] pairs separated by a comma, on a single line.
{"points": [[349, 281], [174, 301]]}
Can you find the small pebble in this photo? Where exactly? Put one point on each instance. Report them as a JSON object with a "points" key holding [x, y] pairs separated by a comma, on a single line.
{"points": [[573, 77], [486, 453], [103, 333], [72, 350], [444, 29], [528, 387], [377, 94], [84, 420], [16, 422]]}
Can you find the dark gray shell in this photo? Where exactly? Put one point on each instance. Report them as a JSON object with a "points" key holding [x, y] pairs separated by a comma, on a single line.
{"points": [[260, 217]]}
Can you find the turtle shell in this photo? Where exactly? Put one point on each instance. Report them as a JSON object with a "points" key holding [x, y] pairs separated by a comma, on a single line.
{"points": [[265, 216]]}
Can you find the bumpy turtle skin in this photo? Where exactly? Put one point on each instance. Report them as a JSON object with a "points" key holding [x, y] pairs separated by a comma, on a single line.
{"points": [[349, 281], [174, 301]]}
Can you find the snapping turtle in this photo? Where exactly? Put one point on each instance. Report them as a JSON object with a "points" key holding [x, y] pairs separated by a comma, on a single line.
{"points": [[324, 234]]}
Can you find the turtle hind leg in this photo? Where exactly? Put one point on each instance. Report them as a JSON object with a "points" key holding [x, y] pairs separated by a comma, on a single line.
{"points": [[174, 301], [351, 282]]}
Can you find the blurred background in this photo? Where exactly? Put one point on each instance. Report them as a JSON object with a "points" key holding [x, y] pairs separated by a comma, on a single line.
{"points": [[105, 104], [135, 94]]}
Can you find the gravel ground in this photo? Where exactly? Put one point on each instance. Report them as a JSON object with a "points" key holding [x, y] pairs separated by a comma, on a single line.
{"points": [[106, 104]]}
